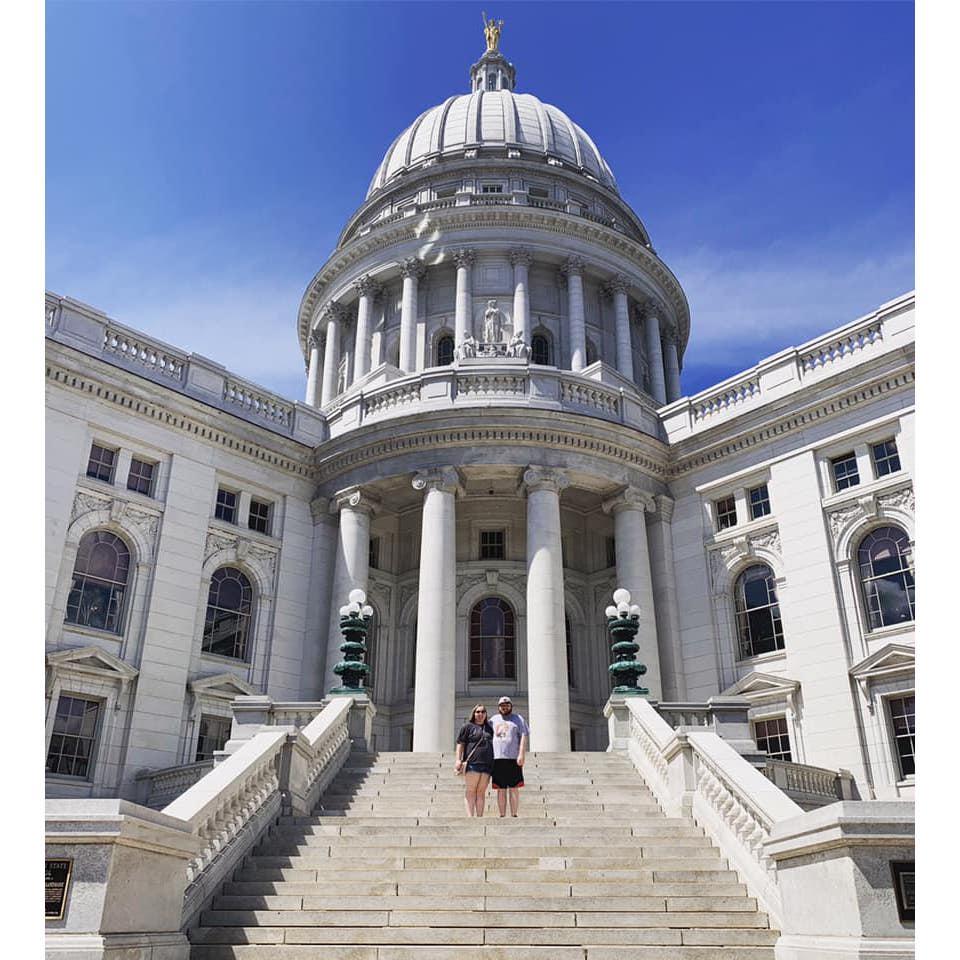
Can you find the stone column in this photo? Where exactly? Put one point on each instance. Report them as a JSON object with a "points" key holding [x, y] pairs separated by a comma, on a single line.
{"points": [[521, 260], [576, 319], [313, 369], [333, 316], [463, 322], [671, 366], [434, 703], [368, 291], [660, 539], [411, 270], [618, 291], [633, 573], [547, 686], [352, 565], [651, 329]]}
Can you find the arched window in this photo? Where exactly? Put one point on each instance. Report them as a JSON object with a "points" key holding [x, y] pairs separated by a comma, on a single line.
{"points": [[886, 577], [569, 635], [229, 606], [492, 641], [491, 81], [539, 349], [758, 613], [445, 351], [99, 582]]}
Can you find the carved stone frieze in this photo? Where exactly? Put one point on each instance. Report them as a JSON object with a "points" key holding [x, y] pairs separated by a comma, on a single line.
{"points": [[840, 518], [84, 502], [903, 499], [145, 521], [726, 556], [217, 541], [247, 550], [129, 515]]}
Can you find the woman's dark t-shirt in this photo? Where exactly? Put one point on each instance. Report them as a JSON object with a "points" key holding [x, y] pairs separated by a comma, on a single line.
{"points": [[472, 734]]}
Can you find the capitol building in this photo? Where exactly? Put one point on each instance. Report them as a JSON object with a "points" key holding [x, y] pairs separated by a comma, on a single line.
{"points": [[493, 436]]}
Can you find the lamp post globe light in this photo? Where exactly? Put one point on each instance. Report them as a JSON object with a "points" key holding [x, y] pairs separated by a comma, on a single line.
{"points": [[623, 622], [355, 618]]}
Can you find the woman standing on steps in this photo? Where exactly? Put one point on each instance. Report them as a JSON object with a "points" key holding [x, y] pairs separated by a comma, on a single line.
{"points": [[475, 759]]}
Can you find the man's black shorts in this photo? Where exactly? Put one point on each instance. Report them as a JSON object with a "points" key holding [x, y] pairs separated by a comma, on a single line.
{"points": [[507, 774]]}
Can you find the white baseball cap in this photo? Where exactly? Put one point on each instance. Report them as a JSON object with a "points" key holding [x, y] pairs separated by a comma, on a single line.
{"points": [[504, 700]]}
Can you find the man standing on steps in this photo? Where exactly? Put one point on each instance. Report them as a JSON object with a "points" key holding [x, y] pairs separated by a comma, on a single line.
{"points": [[510, 733]]}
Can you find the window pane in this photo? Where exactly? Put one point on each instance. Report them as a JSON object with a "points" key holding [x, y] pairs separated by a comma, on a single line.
{"points": [[226, 507], [845, 473], [903, 720], [227, 619], [101, 463], [759, 502], [886, 459], [492, 651], [99, 581], [74, 731], [726, 513], [886, 577], [140, 478], [758, 612]]}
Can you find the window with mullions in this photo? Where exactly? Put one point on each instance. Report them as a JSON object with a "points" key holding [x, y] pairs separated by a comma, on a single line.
{"points": [[540, 349], [373, 554], [101, 464], [759, 502], [229, 607], [226, 506], [491, 188], [445, 351], [726, 513], [214, 733], [492, 640], [886, 458], [845, 472], [886, 577], [904, 723], [74, 734], [99, 582], [772, 738], [492, 546], [140, 477], [259, 518], [758, 612]]}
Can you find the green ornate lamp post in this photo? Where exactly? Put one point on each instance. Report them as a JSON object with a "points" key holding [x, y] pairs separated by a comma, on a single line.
{"points": [[354, 622], [623, 622]]}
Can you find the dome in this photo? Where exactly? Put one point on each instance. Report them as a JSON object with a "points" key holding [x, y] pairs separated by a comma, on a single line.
{"points": [[499, 119]]}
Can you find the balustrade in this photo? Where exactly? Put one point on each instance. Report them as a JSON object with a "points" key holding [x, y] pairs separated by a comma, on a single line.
{"points": [[258, 404], [139, 350]]}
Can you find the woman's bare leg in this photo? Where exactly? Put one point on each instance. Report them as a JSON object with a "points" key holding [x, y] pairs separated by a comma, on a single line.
{"points": [[470, 792], [502, 801], [514, 793], [481, 795]]}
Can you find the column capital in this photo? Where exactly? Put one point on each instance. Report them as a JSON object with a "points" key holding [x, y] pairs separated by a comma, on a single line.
{"points": [[446, 479], [366, 286], [670, 335], [651, 308], [315, 338], [665, 506], [354, 498], [545, 478], [573, 266], [412, 267], [617, 284], [333, 311], [521, 257], [630, 499], [464, 257]]}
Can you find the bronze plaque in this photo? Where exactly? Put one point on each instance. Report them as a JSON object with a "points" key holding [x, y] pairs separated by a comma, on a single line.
{"points": [[903, 887], [56, 882]]}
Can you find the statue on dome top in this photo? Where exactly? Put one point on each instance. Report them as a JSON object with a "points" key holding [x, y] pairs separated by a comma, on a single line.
{"points": [[492, 30]]}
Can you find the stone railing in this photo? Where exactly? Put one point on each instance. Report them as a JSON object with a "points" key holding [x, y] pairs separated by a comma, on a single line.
{"points": [[889, 329], [160, 787], [76, 325], [809, 786], [599, 391]]}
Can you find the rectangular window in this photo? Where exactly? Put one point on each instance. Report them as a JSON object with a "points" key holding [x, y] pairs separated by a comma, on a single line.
{"points": [[74, 733], [491, 188], [772, 737], [140, 477], [259, 519], [845, 473], [102, 462], [904, 723], [492, 545], [726, 513], [886, 459], [538, 193], [214, 733], [759, 502], [226, 508], [442, 193], [611, 551], [374, 553]]}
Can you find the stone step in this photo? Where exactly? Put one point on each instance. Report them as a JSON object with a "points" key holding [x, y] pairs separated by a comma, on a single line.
{"points": [[291, 951], [484, 847], [492, 826]]}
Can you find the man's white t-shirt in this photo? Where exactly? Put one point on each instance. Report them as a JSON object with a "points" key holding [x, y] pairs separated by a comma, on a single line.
{"points": [[507, 731]]}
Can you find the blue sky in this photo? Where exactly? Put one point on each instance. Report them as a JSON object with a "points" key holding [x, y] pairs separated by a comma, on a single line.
{"points": [[201, 158]]}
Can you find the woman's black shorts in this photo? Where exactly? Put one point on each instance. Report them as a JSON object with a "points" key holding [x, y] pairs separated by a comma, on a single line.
{"points": [[475, 767], [507, 774]]}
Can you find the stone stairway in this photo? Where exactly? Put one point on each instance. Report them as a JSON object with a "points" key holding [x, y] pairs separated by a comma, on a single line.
{"points": [[390, 868]]}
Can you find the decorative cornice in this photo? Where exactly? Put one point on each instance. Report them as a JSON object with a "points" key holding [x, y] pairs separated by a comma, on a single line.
{"points": [[545, 478], [630, 499], [444, 478]]}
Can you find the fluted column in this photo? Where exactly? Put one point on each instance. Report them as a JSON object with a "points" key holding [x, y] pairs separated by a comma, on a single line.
{"points": [[368, 290], [633, 573], [621, 312], [435, 684], [463, 320], [651, 330], [333, 317], [521, 260], [547, 686], [660, 538], [351, 567], [411, 270], [313, 369], [576, 319], [671, 366]]}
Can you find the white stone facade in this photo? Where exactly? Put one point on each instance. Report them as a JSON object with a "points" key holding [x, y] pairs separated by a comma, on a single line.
{"points": [[542, 466]]}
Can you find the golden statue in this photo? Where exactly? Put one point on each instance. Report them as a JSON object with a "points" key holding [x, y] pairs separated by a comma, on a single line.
{"points": [[491, 30]]}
